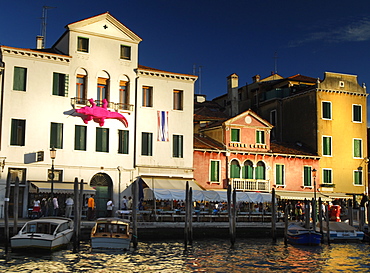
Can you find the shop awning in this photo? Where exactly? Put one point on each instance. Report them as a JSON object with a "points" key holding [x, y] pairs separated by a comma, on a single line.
{"points": [[174, 189], [58, 187], [338, 195], [296, 195]]}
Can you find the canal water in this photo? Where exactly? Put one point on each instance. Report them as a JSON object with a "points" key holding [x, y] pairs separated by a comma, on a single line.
{"points": [[211, 255]]}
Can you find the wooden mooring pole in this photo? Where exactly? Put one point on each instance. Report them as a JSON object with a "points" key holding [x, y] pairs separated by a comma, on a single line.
{"points": [[286, 223], [186, 235], [273, 215], [135, 197], [190, 216], [6, 212], [76, 215], [15, 208]]}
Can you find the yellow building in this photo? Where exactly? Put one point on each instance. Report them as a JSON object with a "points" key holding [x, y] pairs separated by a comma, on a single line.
{"points": [[327, 116]]}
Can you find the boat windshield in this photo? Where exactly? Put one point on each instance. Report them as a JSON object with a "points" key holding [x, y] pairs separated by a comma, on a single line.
{"points": [[112, 228]]}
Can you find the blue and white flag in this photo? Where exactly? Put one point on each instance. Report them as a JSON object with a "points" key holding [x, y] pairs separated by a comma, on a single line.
{"points": [[162, 125]]}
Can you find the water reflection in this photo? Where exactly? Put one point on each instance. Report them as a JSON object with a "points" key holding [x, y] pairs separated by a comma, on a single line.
{"points": [[204, 256]]}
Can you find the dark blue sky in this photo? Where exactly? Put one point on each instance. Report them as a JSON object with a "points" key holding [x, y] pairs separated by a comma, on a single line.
{"points": [[223, 37]]}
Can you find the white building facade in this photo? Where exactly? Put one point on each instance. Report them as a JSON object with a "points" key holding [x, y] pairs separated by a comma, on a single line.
{"points": [[96, 58]]}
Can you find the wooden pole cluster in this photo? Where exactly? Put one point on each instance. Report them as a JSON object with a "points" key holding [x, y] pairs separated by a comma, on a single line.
{"points": [[15, 208], [273, 215], [307, 213], [327, 224], [350, 212], [286, 224], [321, 215]]}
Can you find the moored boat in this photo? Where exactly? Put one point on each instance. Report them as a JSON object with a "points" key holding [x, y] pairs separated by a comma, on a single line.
{"points": [[343, 232], [299, 235], [111, 233], [47, 233]]}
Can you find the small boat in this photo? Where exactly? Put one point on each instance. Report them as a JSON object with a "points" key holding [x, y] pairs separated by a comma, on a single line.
{"points": [[48, 233], [343, 232], [299, 235], [111, 233]]}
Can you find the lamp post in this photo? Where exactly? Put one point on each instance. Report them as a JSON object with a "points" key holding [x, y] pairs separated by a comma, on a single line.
{"points": [[314, 171], [53, 154]]}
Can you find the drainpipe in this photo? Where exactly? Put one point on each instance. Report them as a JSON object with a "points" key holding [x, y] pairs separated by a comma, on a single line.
{"points": [[2, 71]]}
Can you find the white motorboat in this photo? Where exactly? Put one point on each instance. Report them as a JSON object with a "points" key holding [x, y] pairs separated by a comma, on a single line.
{"points": [[111, 233], [343, 232], [47, 233]]}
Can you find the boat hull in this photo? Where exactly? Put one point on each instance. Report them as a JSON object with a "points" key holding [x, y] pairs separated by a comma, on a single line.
{"points": [[305, 238], [110, 243], [346, 236], [41, 241]]}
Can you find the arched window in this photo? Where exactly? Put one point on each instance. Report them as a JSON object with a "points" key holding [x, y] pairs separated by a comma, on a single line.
{"points": [[234, 169], [260, 171], [102, 87], [247, 170]]}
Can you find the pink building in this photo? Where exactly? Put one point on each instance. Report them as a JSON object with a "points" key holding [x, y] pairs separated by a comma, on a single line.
{"points": [[238, 151]]}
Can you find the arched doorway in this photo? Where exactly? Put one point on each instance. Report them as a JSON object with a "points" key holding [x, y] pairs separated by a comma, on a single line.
{"points": [[103, 185]]}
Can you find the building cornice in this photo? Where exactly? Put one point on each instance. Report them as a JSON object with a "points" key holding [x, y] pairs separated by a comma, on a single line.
{"points": [[40, 55], [151, 72]]}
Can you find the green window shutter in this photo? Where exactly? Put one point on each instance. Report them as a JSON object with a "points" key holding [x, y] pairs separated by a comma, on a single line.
{"points": [[146, 144], [66, 85], [123, 141], [260, 137], [80, 138], [307, 176], [102, 140], [279, 174], [235, 170], [56, 135], [357, 113], [215, 171], [247, 171], [177, 146], [357, 149], [260, 172], [326, 110], [56, 84], [327, 145], [18, 132], [19, 80], [327, 176], [235, 135], [358, 177]]}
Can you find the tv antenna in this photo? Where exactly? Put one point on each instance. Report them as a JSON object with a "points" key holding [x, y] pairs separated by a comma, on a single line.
{"points": [[43, 23], [275, 62]]}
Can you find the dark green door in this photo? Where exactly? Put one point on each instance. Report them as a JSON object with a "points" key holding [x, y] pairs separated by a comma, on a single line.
{"points": [[104, 190]]}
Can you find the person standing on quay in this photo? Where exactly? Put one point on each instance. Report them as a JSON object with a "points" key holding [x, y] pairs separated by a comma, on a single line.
{"points": [[90, 208], [69, 206], [56, 206], [124, 203], [110, 206]]}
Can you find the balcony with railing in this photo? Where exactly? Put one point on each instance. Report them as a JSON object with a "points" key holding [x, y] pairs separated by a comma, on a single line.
{"points": [[250, 184], [115, 106]]}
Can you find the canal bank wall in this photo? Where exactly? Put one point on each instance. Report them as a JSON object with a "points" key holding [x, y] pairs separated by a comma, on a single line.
{"points": [[157, 231]]}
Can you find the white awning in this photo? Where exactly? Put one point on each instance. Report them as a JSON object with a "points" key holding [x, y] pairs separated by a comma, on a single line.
{"points": [[174, 189], [296, 195], [59, 187]]}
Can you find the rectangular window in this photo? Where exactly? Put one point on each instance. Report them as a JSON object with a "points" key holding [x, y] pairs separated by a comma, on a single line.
{"points": [[123, 95], [177, 100], [56, 135], [102, 140], [102, 93], [326, 146], [215, 171], [82, 44], [357, 148], [125, 52], [307, 182], [357, 113], [80, 137], [123, 138], [178, 142], [260, 137], [20, 78], [81, 89], [18, 132], [17, 172], [235, 135], [147, 144], [326, 110], [279, 174], [357, 176], [327, 176], [60, 84], [147, 96]]}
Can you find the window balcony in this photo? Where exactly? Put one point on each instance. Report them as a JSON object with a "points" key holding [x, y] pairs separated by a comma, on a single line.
{"points": [[250, 184], [119, 107]]}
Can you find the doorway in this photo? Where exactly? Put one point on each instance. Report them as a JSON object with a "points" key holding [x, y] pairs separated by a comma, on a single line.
{"points": [[104, 190]]}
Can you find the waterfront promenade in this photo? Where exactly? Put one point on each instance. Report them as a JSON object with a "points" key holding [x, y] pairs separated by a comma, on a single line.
{"points": [[175, 230]]}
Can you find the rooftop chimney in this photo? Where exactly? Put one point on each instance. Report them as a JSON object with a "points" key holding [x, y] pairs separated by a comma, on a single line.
{"points": [[39, 42], [256, 78]]}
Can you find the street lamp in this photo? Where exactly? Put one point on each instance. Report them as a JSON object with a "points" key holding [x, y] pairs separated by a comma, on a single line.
{"points": [[53, 154], [314, 171]]}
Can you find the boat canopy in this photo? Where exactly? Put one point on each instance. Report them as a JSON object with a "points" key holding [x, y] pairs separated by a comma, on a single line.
{"points": [[58, 187]]}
